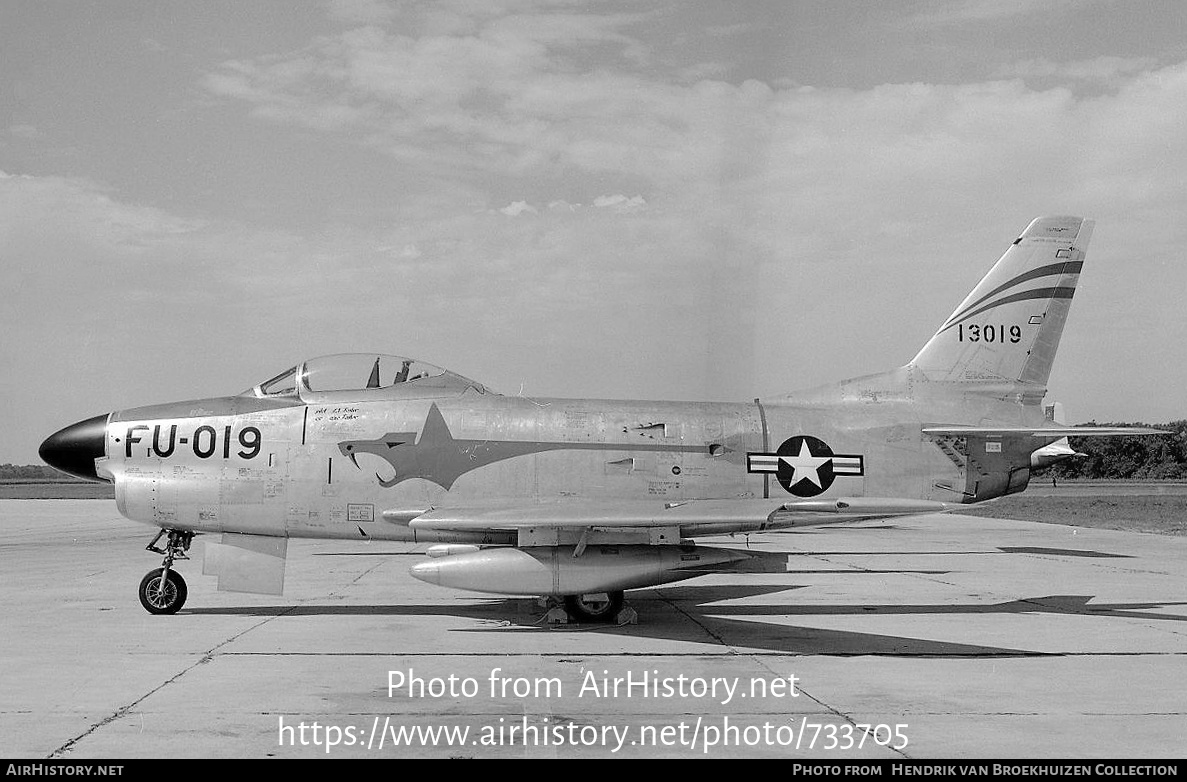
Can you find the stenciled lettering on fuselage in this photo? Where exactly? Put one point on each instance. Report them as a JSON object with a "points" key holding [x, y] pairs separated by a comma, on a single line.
{"points": [[805, 465], [437, 456], [205, 441]]}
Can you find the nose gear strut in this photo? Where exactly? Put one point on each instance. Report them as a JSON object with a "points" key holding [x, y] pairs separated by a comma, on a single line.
{"points": [[163, 591]]}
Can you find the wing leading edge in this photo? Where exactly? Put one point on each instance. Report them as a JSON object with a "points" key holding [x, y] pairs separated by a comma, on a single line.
{"points": [[693, 517]]}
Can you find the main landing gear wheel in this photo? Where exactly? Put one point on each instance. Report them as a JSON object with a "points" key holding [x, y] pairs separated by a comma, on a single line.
{"points": [[596, 607], [162, 595]]}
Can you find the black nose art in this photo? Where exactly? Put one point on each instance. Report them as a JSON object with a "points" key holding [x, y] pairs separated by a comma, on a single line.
{"points": [[74, 449]]}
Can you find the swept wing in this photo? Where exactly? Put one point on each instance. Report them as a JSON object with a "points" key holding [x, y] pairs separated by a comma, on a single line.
{"points": [[694, 517]]}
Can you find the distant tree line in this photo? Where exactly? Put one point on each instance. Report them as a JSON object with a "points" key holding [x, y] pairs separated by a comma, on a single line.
{"points": [[1143, 458], [1147, 457], [32, 472]]}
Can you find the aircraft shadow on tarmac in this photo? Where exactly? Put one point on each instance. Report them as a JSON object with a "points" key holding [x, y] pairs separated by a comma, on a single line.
{"points": [[1062, 552], [703, 614]]}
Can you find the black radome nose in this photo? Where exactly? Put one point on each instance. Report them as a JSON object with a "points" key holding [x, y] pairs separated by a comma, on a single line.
{"points": [[74, 449]]}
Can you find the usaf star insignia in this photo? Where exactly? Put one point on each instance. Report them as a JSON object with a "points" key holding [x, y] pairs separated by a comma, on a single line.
{"points": [[805, 465]]}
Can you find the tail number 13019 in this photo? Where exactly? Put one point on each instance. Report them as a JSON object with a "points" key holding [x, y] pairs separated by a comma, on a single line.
{"points": [[989, 332]]}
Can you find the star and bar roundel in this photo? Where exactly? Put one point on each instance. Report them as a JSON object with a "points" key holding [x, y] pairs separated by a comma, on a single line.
{"points": [[805, 465]]}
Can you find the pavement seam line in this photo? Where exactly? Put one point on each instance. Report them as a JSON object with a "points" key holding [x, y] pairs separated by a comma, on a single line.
{"points": [[206, 657], [1006, 598], [762, 664], [732, 649]]}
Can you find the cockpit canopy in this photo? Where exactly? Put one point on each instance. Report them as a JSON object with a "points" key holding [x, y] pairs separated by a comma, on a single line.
{"points": [[361, 372]]}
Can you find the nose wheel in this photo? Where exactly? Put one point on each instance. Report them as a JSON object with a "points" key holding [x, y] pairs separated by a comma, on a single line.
{"points": [[163, 591]]}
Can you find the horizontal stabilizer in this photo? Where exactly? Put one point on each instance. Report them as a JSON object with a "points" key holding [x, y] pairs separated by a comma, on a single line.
{"points": [[1040, 431]]}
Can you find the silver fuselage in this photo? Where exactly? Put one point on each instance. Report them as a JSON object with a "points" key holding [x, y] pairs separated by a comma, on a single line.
{"points": [[331, 465]]}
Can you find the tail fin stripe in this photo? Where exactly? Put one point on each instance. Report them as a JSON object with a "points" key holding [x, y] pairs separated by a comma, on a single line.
{"points": [[1037, 293], [1055, 269]]}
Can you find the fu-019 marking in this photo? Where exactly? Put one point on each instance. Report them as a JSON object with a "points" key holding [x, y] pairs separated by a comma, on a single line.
{"points": [[204, 441]]}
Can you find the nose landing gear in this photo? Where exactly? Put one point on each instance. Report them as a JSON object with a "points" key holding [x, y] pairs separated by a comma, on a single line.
{"points": [[163, 591]]}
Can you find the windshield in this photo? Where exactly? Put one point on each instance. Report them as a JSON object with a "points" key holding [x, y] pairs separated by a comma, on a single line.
{"points": [[284, 384]]}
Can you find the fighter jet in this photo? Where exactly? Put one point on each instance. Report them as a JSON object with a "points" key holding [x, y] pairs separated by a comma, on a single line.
{"points": [[578, 500]]}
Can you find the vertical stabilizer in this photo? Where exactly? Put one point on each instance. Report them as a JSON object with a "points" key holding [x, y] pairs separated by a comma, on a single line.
{"points": [[1009, 327]]}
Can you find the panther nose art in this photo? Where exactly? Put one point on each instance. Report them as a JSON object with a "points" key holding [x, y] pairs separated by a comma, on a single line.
{"points": [[74, 449]]}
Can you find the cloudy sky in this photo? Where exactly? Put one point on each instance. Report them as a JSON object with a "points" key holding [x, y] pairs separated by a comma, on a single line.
{"points": [[674, 200]]}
